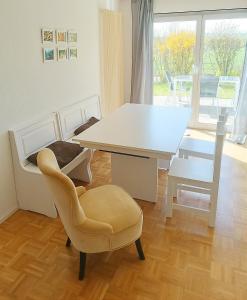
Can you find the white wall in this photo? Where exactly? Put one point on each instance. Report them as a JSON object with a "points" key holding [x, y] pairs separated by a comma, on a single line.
{"points": [[27, 86], [166, 6]]}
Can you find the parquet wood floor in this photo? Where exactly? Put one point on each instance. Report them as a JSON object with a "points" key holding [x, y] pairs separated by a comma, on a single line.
{"points": [[185, 260]]}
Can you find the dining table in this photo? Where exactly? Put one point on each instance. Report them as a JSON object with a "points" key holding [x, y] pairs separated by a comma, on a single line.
{"points": [[138, 136]]}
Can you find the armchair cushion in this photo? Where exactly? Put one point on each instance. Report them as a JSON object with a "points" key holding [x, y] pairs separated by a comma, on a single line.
{"points": [[65, 152], [85, 126], [111, 205]]}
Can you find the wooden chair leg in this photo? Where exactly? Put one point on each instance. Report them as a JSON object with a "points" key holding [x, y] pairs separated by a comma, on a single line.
{"points": [[83, 257], [139, 249], [174, 191], [68, 243], [213, 208]]}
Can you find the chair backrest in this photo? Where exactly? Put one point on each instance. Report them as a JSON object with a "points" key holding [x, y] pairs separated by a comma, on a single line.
{"points": [[209, 86], [220, 136], [223, 111], [221, 121], [65, 195], [169, 80]]}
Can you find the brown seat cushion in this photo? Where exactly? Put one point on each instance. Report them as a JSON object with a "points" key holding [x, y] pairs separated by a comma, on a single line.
{"points": [[65, 152], [85, 126]]}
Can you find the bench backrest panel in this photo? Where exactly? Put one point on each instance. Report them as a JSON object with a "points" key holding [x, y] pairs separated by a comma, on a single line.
{"points": [[30, 137], [71, 117]]}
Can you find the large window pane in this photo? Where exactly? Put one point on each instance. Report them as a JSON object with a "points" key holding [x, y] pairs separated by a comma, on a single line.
{"points": [[174, 44], [222, 64]]}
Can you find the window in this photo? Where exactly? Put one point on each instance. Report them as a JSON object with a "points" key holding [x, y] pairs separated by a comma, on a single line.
{"points": [[198, 62]]}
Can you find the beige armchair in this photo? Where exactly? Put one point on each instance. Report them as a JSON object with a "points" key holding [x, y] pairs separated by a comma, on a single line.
{"points": [[102, 219]]}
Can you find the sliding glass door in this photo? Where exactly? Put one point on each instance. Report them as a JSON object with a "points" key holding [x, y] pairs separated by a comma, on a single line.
{"points": [[198, 62]]}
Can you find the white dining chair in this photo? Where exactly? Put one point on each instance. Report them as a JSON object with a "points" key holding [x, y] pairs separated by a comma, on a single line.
{"points": [[197, 175], [191, 147]]}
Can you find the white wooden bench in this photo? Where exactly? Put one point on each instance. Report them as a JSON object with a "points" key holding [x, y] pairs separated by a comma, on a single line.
{"points": [[30, 137]]}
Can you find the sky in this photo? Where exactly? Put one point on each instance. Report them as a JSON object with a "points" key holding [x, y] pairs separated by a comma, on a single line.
{"points": [[164, 28]]}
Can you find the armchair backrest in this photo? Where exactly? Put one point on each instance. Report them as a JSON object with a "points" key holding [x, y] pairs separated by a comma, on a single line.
{"points": [[65, 195]]}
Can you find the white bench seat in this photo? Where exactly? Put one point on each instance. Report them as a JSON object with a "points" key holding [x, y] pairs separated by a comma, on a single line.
{"points": [[192, 169], [31, 168], [69, 168]]}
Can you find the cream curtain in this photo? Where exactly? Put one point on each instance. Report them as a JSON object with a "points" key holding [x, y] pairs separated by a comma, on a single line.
{"points": [[112, 68], [239, 133]]}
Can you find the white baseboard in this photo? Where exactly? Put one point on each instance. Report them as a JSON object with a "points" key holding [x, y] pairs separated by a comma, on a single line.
{"points": [[8, 214]]}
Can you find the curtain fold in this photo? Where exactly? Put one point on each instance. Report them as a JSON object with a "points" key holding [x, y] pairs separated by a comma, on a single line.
{"points": [[112, 66], [240, 122], [142, 52]]}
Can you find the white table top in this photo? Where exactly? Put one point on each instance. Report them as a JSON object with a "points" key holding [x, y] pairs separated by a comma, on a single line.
{"points": [[137, 129]]}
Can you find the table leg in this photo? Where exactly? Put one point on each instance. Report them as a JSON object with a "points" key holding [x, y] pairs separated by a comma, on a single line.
{"points": [[138, 176], [164, 164]]}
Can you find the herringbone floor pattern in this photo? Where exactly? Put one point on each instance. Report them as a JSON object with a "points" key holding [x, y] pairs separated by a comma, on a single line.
{"points": [[185, 260]]}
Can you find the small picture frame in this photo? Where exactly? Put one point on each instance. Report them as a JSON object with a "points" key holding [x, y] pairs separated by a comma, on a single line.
{"points": [[72, 36], [73, 53], [48, 36], [48, 54], [61, 36], [62, 53]]}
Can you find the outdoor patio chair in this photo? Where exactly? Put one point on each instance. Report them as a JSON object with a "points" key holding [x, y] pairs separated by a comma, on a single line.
{"points": [[209, 87]]}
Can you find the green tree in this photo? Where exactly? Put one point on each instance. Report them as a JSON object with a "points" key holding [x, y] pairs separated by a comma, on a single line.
{"points": [[174, 54], [223, 46], [159, 68], [179, 52]]}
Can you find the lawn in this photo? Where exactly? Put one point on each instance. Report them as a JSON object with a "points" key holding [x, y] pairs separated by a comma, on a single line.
{"points": [[225, 91], [161, 89]]}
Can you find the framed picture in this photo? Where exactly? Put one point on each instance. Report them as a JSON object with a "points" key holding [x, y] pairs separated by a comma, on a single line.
{"points": [[72, 36], [48, 54], [62, 53], [61, 36], [73, 55], [48, 36]]}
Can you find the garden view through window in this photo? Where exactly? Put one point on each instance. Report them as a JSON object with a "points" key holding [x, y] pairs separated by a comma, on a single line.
{"points": [[198, 62]]}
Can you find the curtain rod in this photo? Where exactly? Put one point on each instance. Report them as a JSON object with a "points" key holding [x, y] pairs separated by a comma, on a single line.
{"points": [[203, 11]]}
